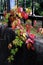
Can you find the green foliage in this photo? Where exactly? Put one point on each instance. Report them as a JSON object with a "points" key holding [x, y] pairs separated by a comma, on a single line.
{"points": [[39, 9], [40, 12], [16, 42], [13, 51], [28, 2], [6, 18], [41, 4], [10, 58], [37, 5]]}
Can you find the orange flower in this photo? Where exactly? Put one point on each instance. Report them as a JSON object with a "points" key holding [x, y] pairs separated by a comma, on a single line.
{"points": [[29, 45], [10, 46]]}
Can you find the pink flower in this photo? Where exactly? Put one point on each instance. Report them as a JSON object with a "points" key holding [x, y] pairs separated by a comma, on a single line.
{"points": [[39, 29], [32, 36], [21, 33], [20, 9], [35, 22], [29, 41]]}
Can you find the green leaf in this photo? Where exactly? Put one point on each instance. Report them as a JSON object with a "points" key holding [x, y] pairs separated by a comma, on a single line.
{"points": [[13, 51], [10, 58], [20, 45], [16, 49]]}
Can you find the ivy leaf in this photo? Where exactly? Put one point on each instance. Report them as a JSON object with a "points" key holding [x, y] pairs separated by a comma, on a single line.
{"points": [[20, 45], [17, 37], [10, 58], [13, 51], [16, 49]]}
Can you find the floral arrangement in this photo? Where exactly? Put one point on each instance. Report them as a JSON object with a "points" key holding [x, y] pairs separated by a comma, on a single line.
{"points": [[24, 35], [24, 32]]}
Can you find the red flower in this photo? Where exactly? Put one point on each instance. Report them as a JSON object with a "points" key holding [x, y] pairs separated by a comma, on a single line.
{"points": [[22, 14], [28, 31], [25, 16]]}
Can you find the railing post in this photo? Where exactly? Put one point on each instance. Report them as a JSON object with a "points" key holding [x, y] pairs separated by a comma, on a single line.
{"points": [[24, 4], [5, 4], [8, 5], [32, 11], [17, 3], [1, 6]]}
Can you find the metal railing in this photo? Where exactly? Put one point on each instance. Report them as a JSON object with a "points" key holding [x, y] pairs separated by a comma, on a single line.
{"points": [[4, 5], [32, 17]]}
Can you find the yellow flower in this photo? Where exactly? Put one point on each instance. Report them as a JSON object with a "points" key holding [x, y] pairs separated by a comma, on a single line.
{"points": [[19, 14], [24, 34], [26, 9]]}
